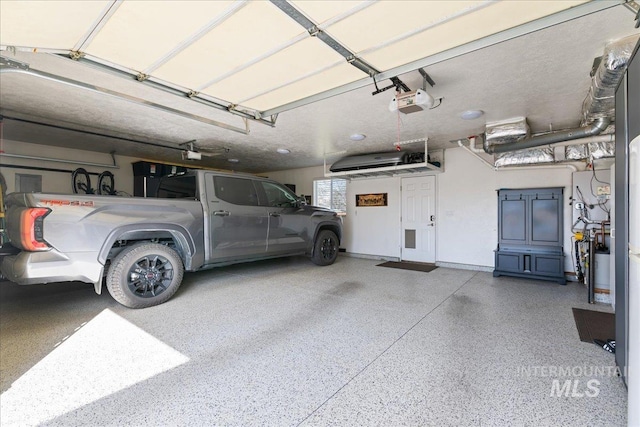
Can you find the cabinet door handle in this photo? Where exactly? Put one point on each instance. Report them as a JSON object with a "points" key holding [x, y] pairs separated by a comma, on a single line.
{"points": [[274, 214], [221, 213]]}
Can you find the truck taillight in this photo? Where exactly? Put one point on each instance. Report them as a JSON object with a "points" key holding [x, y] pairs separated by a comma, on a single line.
{"points": [[32, 229]]}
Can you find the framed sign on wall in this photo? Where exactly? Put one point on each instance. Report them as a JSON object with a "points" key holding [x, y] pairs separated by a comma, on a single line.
{"points": [[375, 199]]}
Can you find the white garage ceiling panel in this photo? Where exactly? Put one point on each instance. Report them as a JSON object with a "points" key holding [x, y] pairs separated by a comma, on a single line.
{"points": [[298, 60], [388, 19], [47, 24], [141, 32], [483, 22], [321, 10], [335, 76], [256, 28]]}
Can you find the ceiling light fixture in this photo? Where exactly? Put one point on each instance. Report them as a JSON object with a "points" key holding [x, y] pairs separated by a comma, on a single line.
{"points": [[471, 114], [283, 150], [357, 137]]}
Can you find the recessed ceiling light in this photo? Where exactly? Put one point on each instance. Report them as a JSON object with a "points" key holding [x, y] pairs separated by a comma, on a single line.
{"points": [[471, 114], [283, 151], [357, 137], [234, 160]]}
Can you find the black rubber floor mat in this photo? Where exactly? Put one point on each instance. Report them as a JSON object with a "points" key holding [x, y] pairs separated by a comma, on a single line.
{"points": [[594, 325], [415, 266]]}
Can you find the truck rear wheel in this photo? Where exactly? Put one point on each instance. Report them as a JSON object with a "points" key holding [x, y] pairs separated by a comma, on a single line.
{"points": [[325, 250], [144, 275]]}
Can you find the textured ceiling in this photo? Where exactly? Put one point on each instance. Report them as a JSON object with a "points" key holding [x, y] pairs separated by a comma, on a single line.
{"points": [[543, 76]]}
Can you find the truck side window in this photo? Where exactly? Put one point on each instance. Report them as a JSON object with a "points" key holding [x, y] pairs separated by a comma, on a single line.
{"points": [[278, 196], [239, 191], [177, 187]]}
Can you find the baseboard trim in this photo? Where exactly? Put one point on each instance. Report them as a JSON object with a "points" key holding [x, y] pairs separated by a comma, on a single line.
{"points": [[602, 297], [458, 266], [367, 256]]}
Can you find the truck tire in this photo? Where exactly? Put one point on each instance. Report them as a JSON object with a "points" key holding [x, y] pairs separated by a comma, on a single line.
{"points": [[106, 184], [144, 275], [325, 248]]}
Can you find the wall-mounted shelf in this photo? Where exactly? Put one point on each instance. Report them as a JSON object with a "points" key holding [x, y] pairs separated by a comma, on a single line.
{"points": [[424, 168]]}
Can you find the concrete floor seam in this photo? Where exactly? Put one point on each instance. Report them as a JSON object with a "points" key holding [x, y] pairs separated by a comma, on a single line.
{"points": [[386, 350]]}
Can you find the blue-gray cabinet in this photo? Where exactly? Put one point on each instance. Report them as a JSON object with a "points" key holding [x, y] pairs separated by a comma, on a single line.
{"points": [[530, 234]]}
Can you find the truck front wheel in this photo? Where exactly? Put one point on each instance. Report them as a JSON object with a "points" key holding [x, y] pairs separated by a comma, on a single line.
{"points": [[325, 250], [144, 275]]}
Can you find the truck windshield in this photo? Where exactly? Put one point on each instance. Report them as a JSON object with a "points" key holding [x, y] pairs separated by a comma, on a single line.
{"points": [[177, 187]]}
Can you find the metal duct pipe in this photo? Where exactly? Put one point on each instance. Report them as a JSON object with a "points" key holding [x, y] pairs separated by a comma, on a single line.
{"points": [[514, 168], [600, 100], [551, 138], [588, 140]]}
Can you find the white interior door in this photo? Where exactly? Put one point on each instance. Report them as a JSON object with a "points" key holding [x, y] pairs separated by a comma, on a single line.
{"points": [[418, 219]]}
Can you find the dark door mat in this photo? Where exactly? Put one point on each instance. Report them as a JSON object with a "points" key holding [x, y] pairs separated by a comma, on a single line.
{"points": [[403, 265], [594, 325]]}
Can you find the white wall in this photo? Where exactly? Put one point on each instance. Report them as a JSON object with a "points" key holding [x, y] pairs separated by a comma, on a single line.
{"points": [[301, 178], [467, 209], [373, 230], [60, 182]]}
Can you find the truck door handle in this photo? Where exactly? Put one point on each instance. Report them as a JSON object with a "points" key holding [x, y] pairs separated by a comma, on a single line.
{"points": [[274, 214], [221, 213]]}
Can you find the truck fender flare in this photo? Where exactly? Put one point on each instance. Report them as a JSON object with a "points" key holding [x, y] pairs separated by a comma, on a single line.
{"points": [[321, 226], [179, 234]]}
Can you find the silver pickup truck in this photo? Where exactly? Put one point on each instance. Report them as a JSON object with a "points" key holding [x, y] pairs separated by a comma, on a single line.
{"points": [[201, 219]]}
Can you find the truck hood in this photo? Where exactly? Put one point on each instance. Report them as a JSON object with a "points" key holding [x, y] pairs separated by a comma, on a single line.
{"points": [[317, 210]]}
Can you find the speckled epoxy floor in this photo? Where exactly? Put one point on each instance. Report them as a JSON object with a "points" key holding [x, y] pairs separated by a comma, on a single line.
{"points": [[284, 342]]}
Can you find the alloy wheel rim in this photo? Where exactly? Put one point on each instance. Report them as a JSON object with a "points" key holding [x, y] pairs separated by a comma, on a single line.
{"points": [[328, 248], [150, 276]]}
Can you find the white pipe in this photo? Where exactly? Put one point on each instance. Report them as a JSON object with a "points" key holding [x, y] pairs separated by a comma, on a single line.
{"points": [[472, 145], [72, 162], [474, 153]]}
